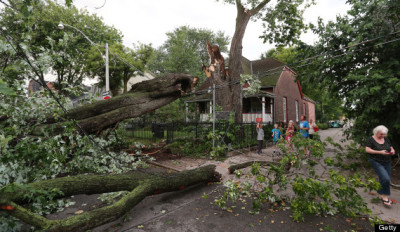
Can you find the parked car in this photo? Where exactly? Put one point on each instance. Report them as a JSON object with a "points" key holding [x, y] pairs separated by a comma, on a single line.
{"points": [[335, 124]]}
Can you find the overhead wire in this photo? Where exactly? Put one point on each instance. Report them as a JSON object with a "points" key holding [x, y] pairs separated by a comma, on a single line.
{"points": [[333, 57], [126, 62], [207, 91], [339, 49]]}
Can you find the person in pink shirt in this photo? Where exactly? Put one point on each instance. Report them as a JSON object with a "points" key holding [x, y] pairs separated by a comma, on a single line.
{"points": [[289, 134]]}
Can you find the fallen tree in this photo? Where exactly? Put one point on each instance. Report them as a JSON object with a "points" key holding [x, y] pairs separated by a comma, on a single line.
{"points": [[92, 118], [140, 184], [143, 98]]}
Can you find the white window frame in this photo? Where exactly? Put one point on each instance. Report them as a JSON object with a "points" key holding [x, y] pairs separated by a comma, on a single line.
{"points": [[297, 110], [284, 109]]}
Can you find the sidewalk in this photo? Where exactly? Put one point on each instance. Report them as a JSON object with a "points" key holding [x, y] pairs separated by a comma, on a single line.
{"points": [[390, 214]]}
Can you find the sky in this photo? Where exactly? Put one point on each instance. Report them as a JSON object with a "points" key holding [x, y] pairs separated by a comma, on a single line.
{"points": [[148, 21]]}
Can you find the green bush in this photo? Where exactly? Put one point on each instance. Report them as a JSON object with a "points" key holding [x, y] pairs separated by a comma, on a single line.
{"points": [[323, 125]]}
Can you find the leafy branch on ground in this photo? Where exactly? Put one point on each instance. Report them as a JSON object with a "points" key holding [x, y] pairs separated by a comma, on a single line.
{"points": [[309, 183]]}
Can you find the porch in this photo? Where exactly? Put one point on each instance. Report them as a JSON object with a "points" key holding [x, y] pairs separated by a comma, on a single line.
{"points": [[256, 106]]}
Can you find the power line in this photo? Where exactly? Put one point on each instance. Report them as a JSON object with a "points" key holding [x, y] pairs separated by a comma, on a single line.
{"points": [[329, 52], [202, 92], [333, 57], [126, 62]]}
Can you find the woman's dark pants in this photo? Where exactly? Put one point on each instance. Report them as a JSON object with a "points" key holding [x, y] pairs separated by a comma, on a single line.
{"points": [[383, 171], [260, 145]]}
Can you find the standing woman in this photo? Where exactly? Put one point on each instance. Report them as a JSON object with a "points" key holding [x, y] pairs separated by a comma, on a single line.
{"points": [[380, 152], [313, 128]]}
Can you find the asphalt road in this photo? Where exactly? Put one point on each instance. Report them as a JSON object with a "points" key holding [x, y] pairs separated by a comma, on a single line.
{"points": [[187, 210]]}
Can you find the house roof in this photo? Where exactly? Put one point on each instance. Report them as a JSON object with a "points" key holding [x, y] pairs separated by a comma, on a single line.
{"points": [[268, 71], [307, 98], [261, 93], [205, 85]]}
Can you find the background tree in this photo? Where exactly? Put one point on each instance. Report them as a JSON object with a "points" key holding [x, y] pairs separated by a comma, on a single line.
{"points": [[184, 51], [283, 54], [63, 51], [119, 72], [365, 75]]}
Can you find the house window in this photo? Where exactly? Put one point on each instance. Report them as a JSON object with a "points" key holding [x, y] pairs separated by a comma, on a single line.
{"points": [[268, 104], [297, 111], [304, 109], [284, 109], [204, 108], [252, 105]]}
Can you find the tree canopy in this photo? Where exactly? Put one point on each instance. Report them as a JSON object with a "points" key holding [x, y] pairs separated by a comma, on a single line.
{"points": [[361, 64], [62, 52], [124, 63]]}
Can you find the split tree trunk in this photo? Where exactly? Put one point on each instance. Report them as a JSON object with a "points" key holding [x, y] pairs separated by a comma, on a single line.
{"points": [[230, 97], [140, 185]]}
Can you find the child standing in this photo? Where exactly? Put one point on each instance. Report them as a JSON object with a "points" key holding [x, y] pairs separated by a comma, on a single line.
{"points": [[260, 138], [289, 134], [276, 135]]}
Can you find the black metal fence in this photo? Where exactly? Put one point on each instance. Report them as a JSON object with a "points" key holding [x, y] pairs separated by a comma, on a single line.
{"points": [[237, 134]]}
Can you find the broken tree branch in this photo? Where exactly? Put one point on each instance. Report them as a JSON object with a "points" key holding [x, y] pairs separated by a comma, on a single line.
{"points": [[140, 185], [235, 167], [143, 98]]}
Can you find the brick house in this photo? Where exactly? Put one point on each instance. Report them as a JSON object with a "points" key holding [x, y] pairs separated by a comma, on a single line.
{"points": [[280, 98], [35, 86]]}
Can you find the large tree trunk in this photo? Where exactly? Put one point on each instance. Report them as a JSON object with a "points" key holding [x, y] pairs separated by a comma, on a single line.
{"points": [[140, 185], [229, 97], [235, 63], [143, 98]]}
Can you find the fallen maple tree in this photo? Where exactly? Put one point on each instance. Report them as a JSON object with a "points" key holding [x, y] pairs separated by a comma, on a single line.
{"points": [[138, 183], [143, 98]]}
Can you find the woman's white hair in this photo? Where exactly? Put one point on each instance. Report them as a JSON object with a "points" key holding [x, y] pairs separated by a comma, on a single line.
{"points": [[381, 128]]}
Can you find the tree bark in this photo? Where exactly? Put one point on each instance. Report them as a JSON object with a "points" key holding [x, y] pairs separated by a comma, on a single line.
{"points": [[235, 167], [140, 185], [229, 97], [143, 98]]}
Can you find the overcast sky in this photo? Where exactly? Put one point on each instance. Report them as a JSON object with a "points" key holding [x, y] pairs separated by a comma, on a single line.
{"points": [[148, 21]]}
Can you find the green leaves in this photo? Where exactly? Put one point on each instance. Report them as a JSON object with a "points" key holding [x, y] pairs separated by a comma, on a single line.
{"points": [[284, 22], [5, 90], [366, 77], [62, 51], [254, 84], [313, 192]]}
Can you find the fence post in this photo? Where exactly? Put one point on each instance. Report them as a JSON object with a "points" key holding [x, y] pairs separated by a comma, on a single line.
{"points": [[133, 131], [168, 126], [196, 129]]}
